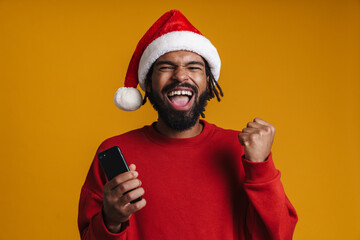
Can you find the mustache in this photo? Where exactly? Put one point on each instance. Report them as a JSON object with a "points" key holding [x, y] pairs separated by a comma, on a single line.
{"points": [[175, 84]]}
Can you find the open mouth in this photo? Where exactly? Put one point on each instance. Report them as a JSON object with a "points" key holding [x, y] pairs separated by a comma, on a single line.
{"points": [[180, 98]]}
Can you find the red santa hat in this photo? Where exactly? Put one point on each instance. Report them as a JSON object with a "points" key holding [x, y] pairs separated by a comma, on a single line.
{"points": [[171, 32]]}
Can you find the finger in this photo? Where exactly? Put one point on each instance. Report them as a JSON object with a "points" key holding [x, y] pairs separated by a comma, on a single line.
{"points": [[254, 125], [250, 130], [123, 177], [125, 187], [261, 121], [132, 167], [131, 196], [130, 208], [260, 128], [266, 126], [243, 138]]}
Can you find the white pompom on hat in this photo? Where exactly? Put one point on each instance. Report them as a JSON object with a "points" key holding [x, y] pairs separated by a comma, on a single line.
{"points": [[171, 32]]}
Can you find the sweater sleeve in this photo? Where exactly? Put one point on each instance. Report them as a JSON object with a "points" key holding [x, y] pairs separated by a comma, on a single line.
{"points": [[270, 214], [90, 219]]}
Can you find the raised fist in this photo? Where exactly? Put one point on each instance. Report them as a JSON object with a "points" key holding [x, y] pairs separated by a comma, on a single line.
{"points": [[257, 138]]}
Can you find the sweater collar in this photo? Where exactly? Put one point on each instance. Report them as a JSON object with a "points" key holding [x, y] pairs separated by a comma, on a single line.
{"points": [[160, 139]]}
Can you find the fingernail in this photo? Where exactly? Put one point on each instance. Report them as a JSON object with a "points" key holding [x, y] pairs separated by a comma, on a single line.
{"points": [[136, 173]]}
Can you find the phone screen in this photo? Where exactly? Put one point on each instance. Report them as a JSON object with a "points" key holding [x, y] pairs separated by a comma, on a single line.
{"points": [[113, 162]]}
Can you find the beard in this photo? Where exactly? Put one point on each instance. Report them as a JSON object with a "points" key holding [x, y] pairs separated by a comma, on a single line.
{"points": [[178, 120]]}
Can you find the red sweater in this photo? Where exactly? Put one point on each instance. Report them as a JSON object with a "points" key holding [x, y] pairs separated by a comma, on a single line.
{"points": [[195, 188]]}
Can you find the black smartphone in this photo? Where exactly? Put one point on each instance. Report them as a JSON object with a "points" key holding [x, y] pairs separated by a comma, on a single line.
{"points": [[113, 163]]}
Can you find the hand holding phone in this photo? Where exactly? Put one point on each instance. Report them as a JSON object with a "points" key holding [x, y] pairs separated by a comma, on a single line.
{"points": [[113, 162], [122, 193]]}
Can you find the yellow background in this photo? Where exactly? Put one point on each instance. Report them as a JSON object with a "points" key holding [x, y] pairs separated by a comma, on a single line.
{"points": [[293, 63]]}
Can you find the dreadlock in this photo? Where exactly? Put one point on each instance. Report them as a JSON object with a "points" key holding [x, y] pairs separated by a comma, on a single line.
{"points": [[213, 88]]}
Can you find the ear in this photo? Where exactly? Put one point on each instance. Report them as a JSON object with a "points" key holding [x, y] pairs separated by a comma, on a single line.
{"points": [[148, 86], [148, 81]]}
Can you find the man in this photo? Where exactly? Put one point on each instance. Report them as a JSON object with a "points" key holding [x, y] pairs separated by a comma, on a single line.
{"points": [[201, 181]]}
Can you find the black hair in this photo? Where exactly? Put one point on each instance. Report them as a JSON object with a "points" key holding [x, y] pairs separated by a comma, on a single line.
{"points": [[214, 88]]}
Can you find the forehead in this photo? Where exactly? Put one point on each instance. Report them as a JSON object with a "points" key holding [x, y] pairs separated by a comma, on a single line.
{"points": [[181, 57]]}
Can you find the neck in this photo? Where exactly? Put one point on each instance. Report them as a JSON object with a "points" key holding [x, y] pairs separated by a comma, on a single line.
{"points": [[172, 133]]}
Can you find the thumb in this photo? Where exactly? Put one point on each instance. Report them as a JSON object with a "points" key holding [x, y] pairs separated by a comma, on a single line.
{"points": [[132, 167]]}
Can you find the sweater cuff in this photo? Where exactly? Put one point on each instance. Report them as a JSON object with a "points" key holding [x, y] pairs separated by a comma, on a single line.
{"points": [[101, 231], [259, 172]]}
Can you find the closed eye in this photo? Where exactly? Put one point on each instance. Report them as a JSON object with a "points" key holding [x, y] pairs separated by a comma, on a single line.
{"points": [[164, 68], [194, 68], [165, 65], [195, 65]]}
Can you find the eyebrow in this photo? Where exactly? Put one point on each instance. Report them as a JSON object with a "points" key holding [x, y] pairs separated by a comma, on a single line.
{"points": [[173, 64], [196, 62], [165, 62]]}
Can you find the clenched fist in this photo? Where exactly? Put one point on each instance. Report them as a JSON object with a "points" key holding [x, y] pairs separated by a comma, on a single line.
{"points": [[257, 138]]}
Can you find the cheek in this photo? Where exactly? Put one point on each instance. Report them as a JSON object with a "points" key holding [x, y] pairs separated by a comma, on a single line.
{"points": [[158, 82], [202, 83]]}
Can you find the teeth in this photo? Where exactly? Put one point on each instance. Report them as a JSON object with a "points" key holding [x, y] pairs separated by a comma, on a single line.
{"points": [[180, 93]]}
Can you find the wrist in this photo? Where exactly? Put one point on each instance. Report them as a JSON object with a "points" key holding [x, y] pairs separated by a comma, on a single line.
{"points": [[257, 160], [259, 172], [111, 227], [114, 228]]}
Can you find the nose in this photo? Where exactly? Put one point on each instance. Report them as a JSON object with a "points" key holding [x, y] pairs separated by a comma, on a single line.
{"points": [[181, 74]]}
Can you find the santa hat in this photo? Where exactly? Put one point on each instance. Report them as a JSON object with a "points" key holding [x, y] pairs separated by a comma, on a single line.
{"points": [[171, 32]]}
